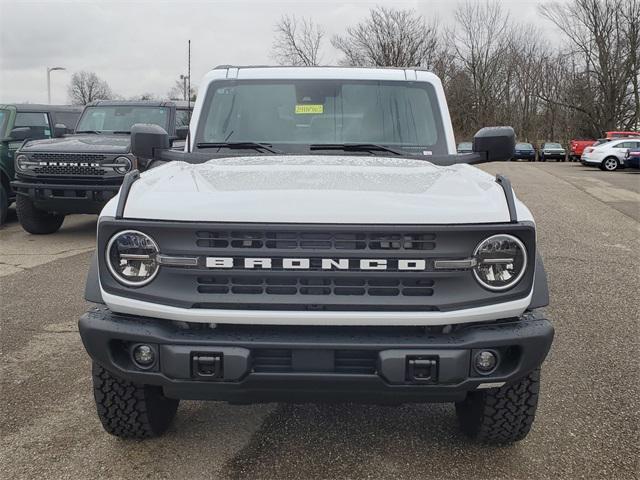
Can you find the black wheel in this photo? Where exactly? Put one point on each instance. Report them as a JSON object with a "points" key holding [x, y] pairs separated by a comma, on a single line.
{"points": [[609, 164], [4, 204], [129, 410], [34, 220], [501, 415]]}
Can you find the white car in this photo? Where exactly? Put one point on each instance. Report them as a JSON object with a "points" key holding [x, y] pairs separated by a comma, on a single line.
{"points": [[321, 240], [610, 155]]}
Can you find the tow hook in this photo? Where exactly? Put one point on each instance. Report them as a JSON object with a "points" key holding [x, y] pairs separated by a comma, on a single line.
{"points": [[206, 366], [421, 369]]}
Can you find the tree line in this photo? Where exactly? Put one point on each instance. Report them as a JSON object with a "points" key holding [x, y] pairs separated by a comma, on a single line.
{"points": [[578, 79], [86, 87]]}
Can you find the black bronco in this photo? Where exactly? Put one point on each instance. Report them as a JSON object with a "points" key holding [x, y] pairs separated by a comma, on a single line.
{"points": [[79, 173]]}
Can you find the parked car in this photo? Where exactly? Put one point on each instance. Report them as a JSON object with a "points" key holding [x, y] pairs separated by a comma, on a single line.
{"points": [[183, 117], [616, 134], [632, 158], [610, 155], [552, 151], [576, 148], [20, 122], [465, 147], [79, 173], [525, 151]]}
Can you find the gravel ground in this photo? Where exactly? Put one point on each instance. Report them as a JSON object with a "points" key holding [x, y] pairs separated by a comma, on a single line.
{"points": [[588, 419]]}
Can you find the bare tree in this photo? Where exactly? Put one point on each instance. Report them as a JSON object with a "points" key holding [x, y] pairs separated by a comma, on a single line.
{"points": [[604, 36], [179, 90], [390, 37], [481, 38], [86, 87], [297, 42]]}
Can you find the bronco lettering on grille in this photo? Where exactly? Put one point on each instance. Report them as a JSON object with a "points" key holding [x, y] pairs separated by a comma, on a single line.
{"points": [[266, 263]]}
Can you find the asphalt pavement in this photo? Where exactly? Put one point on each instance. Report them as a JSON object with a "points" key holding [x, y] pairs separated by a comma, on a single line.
{"points": [[588, 418]]}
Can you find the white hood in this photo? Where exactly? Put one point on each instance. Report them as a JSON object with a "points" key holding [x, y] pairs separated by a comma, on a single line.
{"points": [[317, 189]]}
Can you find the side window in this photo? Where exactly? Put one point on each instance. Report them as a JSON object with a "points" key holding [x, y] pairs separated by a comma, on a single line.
{"points": [[38, 122], [69, 119], [624, 145]]}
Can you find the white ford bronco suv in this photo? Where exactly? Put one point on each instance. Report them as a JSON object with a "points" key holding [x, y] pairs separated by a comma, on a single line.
{"points": [[318, 239]]}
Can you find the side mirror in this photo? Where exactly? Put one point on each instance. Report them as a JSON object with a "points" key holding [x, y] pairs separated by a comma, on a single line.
{"points": [[182, 132], [495, 143], [19, 134], [59, 130], [147, 138]]}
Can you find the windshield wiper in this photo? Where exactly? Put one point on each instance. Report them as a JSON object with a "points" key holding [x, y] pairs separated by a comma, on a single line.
{"points": [[241, 146], [88, 131], [355, 147], [125, 132]]}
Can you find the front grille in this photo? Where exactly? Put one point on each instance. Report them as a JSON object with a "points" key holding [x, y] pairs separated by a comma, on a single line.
{"points": [[315, 267], [69, 157], [293, 240], [324, 285], [87, 170]]}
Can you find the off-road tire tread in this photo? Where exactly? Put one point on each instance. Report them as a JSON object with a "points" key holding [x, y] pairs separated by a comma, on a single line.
{"points": [[34, 220], [501, 415], [130, 410]]}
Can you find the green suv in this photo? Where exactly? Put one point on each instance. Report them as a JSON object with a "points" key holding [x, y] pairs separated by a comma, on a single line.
{"points": [[30, 121]]}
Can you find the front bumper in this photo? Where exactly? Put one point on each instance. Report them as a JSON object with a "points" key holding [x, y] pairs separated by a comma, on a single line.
{"points": [[66, 197], [554, 155], [276, 363]]}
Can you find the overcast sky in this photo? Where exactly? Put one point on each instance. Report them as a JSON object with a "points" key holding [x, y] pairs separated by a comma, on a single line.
{"points": [[140, 46]]}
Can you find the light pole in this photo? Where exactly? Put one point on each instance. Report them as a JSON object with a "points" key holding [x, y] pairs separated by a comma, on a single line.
{"points": [[184, 79], [49, 70]]}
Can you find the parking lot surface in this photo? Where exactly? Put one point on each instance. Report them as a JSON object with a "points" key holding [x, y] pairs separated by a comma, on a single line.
{"points": [[587, 423]]}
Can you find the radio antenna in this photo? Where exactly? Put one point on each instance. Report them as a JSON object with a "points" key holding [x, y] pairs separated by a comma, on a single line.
{"points": [[189, 97]]}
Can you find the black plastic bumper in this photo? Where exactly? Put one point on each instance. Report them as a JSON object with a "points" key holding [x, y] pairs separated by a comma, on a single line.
{"points": [[67, 198], [243, 364]]}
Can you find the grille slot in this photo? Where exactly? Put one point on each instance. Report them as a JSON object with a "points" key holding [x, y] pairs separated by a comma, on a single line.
{"points": [[346, 362], [292, 240], [300, 285], [272, 360]]}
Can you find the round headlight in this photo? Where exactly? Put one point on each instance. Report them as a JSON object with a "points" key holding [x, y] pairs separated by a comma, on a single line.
{"points": [[122, 165], [21, 162], [131, 258], [501, 262]]}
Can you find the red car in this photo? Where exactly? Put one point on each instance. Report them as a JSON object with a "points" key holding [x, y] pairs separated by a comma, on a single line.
{"points": [[576, 147]]}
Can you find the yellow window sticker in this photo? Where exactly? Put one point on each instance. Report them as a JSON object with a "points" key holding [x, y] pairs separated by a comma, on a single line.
{"points": [[309, 109]]}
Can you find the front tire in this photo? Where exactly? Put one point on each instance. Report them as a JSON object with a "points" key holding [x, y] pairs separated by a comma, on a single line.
{"points": [[501, 415], [34, 220], [130, 410], [610, 164]]}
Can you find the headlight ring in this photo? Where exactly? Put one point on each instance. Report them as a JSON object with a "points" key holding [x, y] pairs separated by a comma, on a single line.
{"points": [[131, 257], [122, 165], [501, 261], [21, 160]]}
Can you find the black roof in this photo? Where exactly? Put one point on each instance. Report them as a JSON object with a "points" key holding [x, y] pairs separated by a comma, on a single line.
{"points": [[139, 103], [36, 107]]}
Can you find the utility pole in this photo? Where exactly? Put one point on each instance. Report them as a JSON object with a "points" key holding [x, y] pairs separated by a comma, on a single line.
{"points": [[49, 70], [185, 92]]}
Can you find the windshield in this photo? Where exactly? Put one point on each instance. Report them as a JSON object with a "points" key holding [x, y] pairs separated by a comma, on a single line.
{"points": [[294, 113], [526, 146], [121, 118], [4, 118], [553, 145], [182, 118]]}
